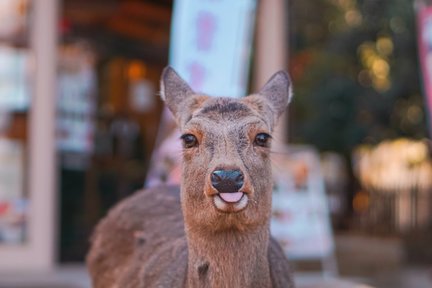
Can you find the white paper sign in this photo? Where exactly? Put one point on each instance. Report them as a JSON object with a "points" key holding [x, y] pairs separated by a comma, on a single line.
{"points": [[210, 44], [301, 219], [14, 78]]}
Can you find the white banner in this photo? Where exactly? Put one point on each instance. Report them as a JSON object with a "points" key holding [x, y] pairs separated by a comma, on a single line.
{"points": [[211, 42]]}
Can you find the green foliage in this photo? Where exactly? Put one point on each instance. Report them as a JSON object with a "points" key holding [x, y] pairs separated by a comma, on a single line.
{"points": [[355, 71]]}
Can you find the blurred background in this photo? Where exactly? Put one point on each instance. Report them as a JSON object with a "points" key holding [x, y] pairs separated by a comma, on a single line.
{"points": [[82, 126]]}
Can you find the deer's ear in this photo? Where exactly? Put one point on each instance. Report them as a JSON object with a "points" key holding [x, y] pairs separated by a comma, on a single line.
{"points": [[174, 91], [278, 92]]}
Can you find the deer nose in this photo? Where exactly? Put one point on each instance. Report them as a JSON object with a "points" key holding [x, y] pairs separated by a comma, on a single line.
{"points": [[227, 181]]}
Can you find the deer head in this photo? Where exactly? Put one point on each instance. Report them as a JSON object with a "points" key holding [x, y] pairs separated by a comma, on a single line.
{"points": [[226, 178]]}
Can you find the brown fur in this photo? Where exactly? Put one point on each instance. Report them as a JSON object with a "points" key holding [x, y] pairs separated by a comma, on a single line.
{"points": [[148, 241]]}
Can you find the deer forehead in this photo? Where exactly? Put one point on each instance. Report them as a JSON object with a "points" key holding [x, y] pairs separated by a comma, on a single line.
{"points": [[223, 114]]}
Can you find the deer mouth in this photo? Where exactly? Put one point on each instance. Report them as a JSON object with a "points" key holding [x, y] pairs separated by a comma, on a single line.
{"points": [[230, 202]]}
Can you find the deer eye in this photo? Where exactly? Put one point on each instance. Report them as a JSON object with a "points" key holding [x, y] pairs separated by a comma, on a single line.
{"points": [[262, 139], [189, 141]]}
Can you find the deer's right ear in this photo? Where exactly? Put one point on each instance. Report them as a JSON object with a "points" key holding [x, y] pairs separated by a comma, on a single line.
{"points": [[174, 90]]}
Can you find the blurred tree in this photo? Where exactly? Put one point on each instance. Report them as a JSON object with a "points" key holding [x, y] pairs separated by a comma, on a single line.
{"points": [[355, 69]]}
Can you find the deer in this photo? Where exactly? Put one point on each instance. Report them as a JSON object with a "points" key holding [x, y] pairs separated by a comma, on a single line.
{"points": [[213, 230]]}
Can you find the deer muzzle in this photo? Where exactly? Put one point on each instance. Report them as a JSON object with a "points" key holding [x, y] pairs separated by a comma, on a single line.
{"points": [[228, 184]]}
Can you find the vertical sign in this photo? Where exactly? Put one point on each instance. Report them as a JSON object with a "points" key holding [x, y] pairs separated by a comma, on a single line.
{"points": [[300, 215], [425, 53], [14, 78], [211, 42]]}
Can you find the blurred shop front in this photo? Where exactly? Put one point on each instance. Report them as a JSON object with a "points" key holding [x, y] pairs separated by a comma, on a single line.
{"points": [[108, 110]]}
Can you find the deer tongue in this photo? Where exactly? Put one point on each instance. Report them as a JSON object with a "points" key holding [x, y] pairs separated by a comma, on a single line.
{"points": [[231, 197]]}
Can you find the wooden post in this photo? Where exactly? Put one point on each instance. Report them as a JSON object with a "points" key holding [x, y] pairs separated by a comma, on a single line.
{"points": [[271, 51]]}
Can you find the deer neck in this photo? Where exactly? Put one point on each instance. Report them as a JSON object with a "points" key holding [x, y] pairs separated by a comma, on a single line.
{"points": [[229, 259]]}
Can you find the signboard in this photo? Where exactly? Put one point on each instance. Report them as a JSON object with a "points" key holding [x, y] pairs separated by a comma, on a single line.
{"points": [[211, 42], [300, 215], [425, 53], [14, 78]]}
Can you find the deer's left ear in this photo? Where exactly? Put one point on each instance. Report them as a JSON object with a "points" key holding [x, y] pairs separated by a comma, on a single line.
{"points": [[278, 92], [174, 91]]}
